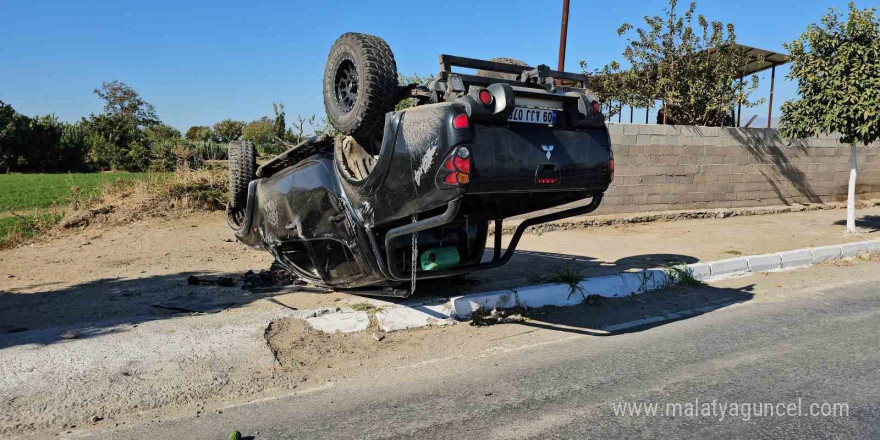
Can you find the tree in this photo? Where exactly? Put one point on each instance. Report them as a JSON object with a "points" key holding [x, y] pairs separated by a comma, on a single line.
{"points": [[124, 101], [297, 131], [260, 132], [199, 133], [837, 67], [694, 72], [116, 142], [280, 125], [161, 132], [228, 130]]}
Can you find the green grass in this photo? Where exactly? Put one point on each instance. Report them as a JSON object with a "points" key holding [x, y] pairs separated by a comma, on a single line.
{"points": [[571, 277], [23, 192], [15, 229]]}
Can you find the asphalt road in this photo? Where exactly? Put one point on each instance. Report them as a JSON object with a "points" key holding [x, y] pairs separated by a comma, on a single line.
{"points": [[814, 340]]}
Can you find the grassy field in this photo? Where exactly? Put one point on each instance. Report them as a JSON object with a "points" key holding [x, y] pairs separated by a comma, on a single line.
{"points": [[37, 200], [26, 192]]}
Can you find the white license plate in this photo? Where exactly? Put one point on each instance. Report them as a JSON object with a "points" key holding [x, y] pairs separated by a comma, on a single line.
{"points": [[532, 116]]}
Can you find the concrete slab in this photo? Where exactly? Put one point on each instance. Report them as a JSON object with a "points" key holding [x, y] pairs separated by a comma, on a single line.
{"points": [[825, 253], [729, 267], [852, 249], [403, 318], [796, 258], [342, 322], [763, 263]]}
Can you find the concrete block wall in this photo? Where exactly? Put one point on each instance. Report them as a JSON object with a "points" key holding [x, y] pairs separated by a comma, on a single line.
{"points": [[667, 167]]}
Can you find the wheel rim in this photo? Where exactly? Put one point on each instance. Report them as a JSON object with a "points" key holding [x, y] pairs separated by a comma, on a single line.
{"points": [[346, 85]]}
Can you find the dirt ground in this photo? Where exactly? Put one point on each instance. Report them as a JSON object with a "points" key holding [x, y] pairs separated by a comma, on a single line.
{"points": [[120, 272], [79, 336]]}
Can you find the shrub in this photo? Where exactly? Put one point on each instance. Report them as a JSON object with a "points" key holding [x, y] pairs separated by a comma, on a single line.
{"points": [[199, 133], [210, 150], [260, 132]]}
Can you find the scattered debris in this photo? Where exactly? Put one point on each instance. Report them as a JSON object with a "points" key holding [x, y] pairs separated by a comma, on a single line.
{"points": [[485, 317], [595, 300], [95, 419], [234, 435], [197, 304], [69, 334], [322, 311], [193, 280], [378, 337], [274, 277], [226, 282], [365, 307]]}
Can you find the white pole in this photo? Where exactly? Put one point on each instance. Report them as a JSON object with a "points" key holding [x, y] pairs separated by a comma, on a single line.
{"points": [[851, 195]]}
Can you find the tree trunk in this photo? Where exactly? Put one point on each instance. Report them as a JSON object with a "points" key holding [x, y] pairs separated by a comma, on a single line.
{"points": [[851, 194]]}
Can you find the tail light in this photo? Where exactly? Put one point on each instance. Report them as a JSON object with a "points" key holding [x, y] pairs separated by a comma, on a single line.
{"points": [[596, 107], [458, 168], [611, 167], [461, 121], [485, 97]]}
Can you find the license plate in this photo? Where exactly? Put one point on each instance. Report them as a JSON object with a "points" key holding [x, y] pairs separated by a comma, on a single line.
{"points": [[532, 116]]}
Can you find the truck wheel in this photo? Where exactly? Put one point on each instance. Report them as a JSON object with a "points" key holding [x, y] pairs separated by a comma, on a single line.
{"points": [[360, 85], [242, 169], [499, 75]]}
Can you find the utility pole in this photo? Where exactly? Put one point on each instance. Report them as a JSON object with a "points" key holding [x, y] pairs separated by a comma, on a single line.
{"points": [[563, 35]]}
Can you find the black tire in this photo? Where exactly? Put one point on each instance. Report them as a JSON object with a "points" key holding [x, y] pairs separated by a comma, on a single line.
{"points": [[242, 169], [499, 75], [360, 85]]}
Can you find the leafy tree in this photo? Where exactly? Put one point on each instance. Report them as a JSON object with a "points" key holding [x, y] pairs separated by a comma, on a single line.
{"points": [[41, 143], [11, 135], [280, 124], [160, 132], [416, 79], [123, 101], [116, 142], [199, 133], [260, 132], [228, 130], [694, 72], [837, 67]]}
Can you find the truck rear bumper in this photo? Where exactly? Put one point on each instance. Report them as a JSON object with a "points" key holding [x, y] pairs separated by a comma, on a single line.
{"points": [[387, 260]]}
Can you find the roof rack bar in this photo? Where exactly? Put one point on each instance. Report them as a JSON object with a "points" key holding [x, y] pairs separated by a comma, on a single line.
{"points": [[448, 61]]}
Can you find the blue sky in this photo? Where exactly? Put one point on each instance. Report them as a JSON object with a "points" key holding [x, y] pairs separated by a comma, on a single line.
{"points": [[203, 61]]}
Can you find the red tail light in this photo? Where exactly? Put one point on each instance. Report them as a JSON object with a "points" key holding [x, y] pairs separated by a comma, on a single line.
{"points": [[485, 97], [611, 167], [596, 107], [463, 165], [548, 180], [461, 121], [458, 167]]}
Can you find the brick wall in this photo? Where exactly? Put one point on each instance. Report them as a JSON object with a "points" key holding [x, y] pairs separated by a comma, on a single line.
{"points": [[663, 167]]}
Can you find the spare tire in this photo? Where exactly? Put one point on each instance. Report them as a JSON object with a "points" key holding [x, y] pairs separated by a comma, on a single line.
{"points": [[242, 169], [360, 85], [499, 75]]}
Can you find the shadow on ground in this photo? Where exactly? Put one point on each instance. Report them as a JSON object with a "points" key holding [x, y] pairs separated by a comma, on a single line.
{"points": [[617, 316], [104, 304], [97, 307], [871, 223], [528, 267]]}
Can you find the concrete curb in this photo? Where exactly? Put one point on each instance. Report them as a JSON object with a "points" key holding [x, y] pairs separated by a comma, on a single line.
{"points": [[401, 316]]}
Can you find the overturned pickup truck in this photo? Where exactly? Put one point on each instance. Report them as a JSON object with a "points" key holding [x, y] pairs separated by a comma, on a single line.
{"points": [[401, 196]]}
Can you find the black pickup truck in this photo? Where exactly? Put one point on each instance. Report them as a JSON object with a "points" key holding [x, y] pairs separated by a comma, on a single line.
{"points": [[410, 194]]}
